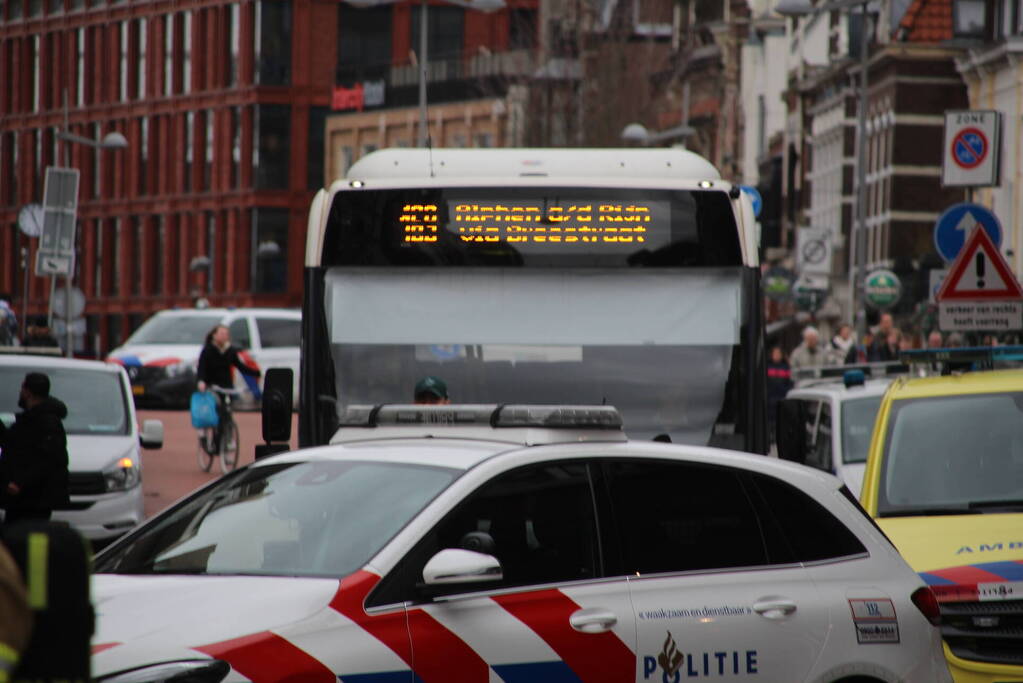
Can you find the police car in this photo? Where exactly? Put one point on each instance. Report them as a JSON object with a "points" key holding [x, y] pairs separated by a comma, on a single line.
{"points": [[103, 438], [162, 354], [831, 422], [511, 543]]}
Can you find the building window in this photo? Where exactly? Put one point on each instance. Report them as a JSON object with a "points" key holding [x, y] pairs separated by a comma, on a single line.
{"points": [[445, 30], [271, 148], [207, 173], [136, 253], [189, 145], [236, 146], [315, 162], [55, 7], [186, 61], [235, 42], [270, 249], [35, 8], [168, 54], [14, 9], [273, 42], [211, 252], [970, 18], [522, 30], [159, 248], [142, 30], [364, 44]]}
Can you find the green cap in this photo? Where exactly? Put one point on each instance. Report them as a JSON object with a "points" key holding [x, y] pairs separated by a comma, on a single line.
{"points": [[432, 385]]}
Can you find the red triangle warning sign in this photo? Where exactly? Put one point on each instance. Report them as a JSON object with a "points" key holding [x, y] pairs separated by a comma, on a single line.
{"points": [[979, 273]]}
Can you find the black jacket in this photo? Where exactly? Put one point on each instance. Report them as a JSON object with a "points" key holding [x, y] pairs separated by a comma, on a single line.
{"points": [[215, 366], [33, 454]]}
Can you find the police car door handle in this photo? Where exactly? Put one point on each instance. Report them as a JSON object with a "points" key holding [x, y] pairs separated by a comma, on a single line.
{"points": [[774, 608], [592, 620]]}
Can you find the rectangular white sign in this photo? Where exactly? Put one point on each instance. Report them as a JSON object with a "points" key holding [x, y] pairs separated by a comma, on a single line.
{"points": [[813, 251], [980, 316], [970, 156]]}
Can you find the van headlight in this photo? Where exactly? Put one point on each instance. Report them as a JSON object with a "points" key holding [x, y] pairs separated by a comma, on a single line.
{"points": [[122, 474], [204, 671], [178, 369]]}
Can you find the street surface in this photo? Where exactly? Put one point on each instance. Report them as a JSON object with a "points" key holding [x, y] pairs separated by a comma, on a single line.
{"points": [[173, 471]]}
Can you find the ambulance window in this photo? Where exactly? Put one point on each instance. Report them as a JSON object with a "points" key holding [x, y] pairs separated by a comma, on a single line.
{"points": [[813, 532], [538, 521], [672, 516]]}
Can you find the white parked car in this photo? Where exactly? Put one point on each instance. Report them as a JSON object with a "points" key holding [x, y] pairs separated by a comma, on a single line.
{"points": [[162, 354], [515, 543], [103, 439], [837, 420]]}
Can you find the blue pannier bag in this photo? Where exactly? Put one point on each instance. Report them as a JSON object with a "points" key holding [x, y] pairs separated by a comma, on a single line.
{"points": [[204, 410]]}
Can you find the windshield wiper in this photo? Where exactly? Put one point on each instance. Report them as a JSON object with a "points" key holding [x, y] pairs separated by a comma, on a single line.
{"points": [[925, 512], [994, 504]]}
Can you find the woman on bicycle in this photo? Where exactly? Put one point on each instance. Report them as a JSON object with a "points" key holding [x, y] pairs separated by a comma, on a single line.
{"points": [[215, 361]]}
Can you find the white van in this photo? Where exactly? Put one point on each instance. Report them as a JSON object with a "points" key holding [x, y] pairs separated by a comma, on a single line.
{"points": [[103, 439], [162, 354]]}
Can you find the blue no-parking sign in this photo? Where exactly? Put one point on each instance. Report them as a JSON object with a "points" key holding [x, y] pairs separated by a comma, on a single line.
{"points": [[954, 225]]}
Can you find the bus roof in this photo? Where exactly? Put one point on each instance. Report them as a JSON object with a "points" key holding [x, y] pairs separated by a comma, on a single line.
{"points": [[657, 163]]}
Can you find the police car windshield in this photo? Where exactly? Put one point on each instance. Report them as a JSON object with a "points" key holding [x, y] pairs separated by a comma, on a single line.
{"points": [[324, 518], [173, 329], [952, 452], [857, 425], [96, 401]]}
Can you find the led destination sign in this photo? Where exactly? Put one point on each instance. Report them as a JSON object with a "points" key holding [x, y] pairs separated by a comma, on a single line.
{"points": [[537, 227]]}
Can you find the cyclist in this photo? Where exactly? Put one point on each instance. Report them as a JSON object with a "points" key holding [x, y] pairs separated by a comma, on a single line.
{"points": [[215, 361]]}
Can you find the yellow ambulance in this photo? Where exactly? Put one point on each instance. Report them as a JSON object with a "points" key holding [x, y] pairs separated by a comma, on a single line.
{"points": [[944, 480]]}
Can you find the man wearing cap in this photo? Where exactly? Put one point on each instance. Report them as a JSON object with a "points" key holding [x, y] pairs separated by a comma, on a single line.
{"points": [[431, 390]]}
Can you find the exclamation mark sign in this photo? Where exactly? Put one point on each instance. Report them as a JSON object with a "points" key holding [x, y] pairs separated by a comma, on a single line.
{"points": [[980, 271]]}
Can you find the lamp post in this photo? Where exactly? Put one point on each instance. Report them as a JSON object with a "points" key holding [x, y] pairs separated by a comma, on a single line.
{"points": [[857, 238], [112, 140]]}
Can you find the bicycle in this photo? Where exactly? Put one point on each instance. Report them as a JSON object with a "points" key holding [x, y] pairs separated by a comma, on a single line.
{"points": [[230, 441]]}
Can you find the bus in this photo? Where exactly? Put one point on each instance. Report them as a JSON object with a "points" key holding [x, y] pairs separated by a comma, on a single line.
{"points": [[624, 277]]}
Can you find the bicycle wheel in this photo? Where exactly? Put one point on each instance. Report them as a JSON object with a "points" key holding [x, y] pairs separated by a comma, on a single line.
{"points": [[230, 445], [205, 444]]}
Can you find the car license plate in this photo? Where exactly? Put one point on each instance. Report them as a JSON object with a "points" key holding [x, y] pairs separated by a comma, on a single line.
{"points": [[138, 389]]}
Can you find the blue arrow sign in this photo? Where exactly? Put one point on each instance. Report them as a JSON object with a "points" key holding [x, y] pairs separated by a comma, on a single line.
{"points": [[754, 195], [953, 226]]}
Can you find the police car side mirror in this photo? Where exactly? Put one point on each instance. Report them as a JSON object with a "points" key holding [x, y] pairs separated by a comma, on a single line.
{"points": [[790, 430], [453, 566]]}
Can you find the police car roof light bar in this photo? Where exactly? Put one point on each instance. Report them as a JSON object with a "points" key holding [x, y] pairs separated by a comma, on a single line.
{"points": [[491, 415]]}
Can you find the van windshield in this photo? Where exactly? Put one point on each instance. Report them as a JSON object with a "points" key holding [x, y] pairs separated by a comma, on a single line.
{"points": [[173, 329], [96, 401], [952, 452]]}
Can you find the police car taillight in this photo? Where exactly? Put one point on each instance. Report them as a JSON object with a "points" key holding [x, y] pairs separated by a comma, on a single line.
{"points": [[927, 603]]}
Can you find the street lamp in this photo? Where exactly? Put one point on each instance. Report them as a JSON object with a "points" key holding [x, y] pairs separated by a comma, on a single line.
{"points": [[112, 140], [857, 252]]}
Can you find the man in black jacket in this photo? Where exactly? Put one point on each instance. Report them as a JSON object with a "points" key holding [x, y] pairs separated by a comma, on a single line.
{"points": [[33, 454]]}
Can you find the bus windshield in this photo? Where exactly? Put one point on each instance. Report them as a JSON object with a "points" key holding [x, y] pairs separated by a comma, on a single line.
{"points": [[635, 298]]}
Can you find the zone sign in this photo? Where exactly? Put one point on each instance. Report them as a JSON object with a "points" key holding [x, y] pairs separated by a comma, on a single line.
{"points": [[971, 150]]}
